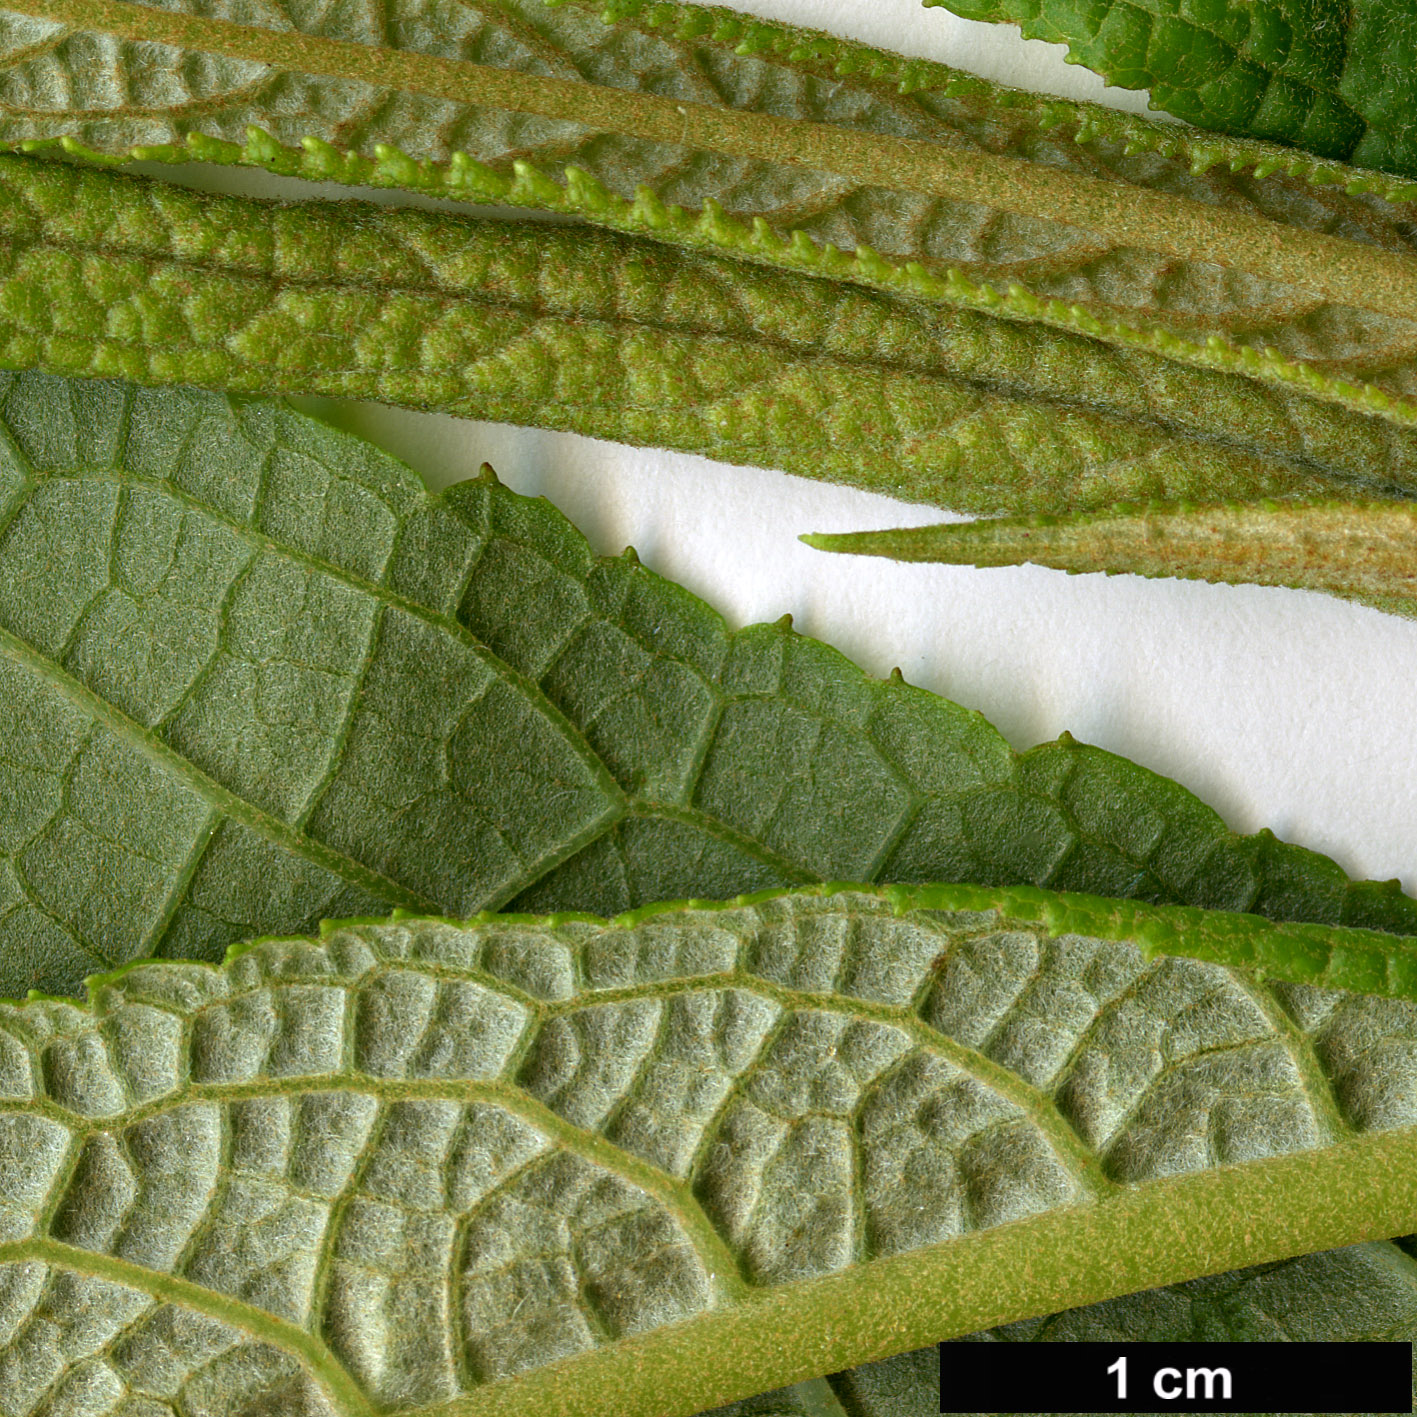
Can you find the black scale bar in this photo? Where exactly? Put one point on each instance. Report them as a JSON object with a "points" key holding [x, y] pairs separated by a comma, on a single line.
{"points": [[1176, 1377]]}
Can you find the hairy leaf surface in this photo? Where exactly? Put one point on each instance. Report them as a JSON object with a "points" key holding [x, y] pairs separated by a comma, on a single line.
{"points": [[1335, 78], [634, 1167], [1373, 1298], [628, 339], [1360, 551], [254, 676], [784, 145]]}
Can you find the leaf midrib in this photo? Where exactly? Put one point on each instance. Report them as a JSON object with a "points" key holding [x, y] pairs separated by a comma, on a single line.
{"points": [[1342, 270], [675, 1193], [293, 839]]}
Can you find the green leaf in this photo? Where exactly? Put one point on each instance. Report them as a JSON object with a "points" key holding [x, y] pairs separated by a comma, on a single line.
{"points": [[252, 676], [703, 127], [1372, 1293], [180, 576], [624, 338], [1073, 308], [639, 1166], [1335, 78], [1364, 552]]}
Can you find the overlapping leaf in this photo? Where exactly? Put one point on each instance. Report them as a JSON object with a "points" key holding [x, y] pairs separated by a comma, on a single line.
{"points": [[1206, 250], [1361, 551], [628, 339], [790, 148], [1062, 815], [1334, 78], [564, 1166], [253, 675]]}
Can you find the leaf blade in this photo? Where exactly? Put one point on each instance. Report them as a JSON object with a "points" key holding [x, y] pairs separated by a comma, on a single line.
{"points": [[621, 338], [734, 761], [1360, 551], [402, 1028], [1306, 74], [1199, 316]]}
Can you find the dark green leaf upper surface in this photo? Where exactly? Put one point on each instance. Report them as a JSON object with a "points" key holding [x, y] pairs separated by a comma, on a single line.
{"points": [[255, 676], [1333, 76]]}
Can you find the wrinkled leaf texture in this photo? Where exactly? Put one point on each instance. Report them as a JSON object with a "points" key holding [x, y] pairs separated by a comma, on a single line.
{"points": [[1142, 260], [780, 145], [255, 675], [619, 1169], [1311, 336], [620, 337]]}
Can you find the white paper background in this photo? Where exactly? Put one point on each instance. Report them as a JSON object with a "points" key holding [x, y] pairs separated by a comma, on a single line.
{"points": [[1279, 708]]}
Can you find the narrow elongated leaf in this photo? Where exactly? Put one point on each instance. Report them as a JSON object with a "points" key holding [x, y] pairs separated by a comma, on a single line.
{"points": [[253, 675], [632, 1168], [1360, 551], [1373, 1298], [1335, 78], [789, 147], [628, 339]]}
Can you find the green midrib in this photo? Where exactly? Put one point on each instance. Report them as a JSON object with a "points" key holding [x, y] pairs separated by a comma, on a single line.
{"points": [[292, 838], [1117, 1240], [1156, 1233], [1357, 275], [237, 808]]}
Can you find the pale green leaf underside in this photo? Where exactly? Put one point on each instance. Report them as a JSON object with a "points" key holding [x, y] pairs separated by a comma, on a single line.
{"points": [[948, 184], [1372, 1297], [576, 1166], [629, 339], [178, 652], [1361, 551], [254, 676]]}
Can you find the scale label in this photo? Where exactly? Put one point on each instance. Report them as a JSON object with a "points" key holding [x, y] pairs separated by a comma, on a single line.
{"points": [[1176, 1377]]}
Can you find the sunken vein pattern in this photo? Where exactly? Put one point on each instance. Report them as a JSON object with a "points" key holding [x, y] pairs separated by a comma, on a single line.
{"points": [[254, 676], [113, 94], [626, 338]]}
